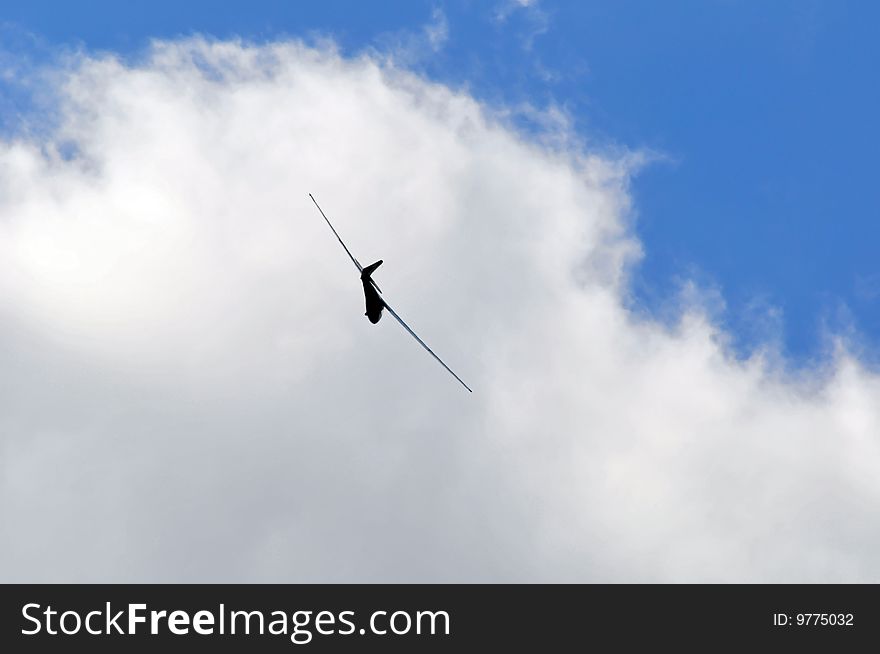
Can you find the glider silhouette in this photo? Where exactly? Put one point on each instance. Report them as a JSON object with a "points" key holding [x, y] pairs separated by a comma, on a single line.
{"points": [[374, 301]]}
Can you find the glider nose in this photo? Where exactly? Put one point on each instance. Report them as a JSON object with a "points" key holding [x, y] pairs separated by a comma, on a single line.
{"points": [[374, 316]]}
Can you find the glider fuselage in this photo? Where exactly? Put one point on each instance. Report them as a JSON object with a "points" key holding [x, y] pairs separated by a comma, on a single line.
{"points": [[371, 295]]}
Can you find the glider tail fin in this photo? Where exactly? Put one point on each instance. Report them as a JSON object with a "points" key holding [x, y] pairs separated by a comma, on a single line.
{"points": [[369, 270]]}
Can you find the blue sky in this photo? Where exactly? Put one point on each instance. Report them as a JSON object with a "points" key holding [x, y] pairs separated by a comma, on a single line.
{"points": [[766, 112]]}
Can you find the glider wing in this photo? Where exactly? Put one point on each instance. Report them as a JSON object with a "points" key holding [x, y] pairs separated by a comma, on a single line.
{"points": [[424, 345], [336, 234], [350, 255]]}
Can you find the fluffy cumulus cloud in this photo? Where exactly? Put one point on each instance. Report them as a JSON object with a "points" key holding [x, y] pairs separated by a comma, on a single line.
{"points": [[189, 390]]}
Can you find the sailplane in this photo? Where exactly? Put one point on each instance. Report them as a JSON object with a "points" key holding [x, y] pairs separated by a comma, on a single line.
{"points": [[373, 296]]}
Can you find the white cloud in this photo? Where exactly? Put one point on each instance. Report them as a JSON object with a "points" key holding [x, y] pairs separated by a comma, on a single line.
{"points": [[437, 31], [504, 9], [407, 48], [191, 392], [537, 23]]}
